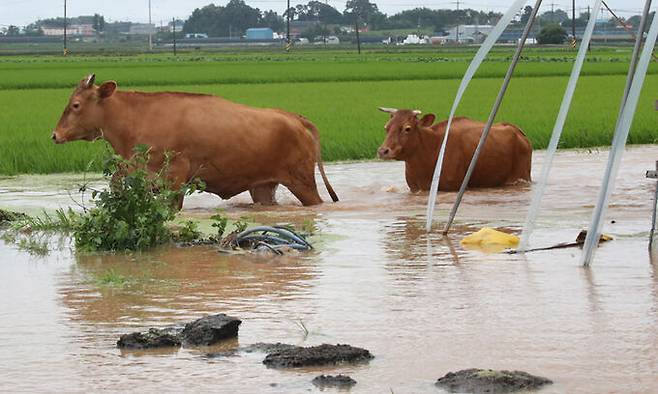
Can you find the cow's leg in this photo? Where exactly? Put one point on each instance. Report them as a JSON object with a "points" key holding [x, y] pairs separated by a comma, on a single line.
{"points": [[264, 194], [303, 186], [178, 174]]}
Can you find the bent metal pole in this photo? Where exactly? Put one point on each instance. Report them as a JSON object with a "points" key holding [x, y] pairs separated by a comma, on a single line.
{"points": [[472, 68], [619, 142], [540, 186], [494, 112]]}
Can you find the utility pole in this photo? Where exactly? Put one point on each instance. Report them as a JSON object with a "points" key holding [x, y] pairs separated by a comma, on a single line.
{"points": [[457, 28], [573, 20], [66, 50], [150, 27], [356, 29], [288, 23], [173, 29]]}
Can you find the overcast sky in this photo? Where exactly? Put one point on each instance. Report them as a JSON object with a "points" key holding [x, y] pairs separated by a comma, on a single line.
{"points": [[22, 12]]}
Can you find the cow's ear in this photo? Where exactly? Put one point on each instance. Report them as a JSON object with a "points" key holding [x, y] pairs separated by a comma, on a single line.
{"points": [[107, 89], [427, 120]]}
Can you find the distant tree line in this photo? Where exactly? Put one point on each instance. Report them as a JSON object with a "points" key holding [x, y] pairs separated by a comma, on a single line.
{"points": [[236, 16]]}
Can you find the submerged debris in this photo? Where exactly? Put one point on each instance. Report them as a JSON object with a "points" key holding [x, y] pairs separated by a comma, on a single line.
{"points": [[338, 381], [202, 332], [490, 381], [275, 239], [325, 354], [580, 241]]}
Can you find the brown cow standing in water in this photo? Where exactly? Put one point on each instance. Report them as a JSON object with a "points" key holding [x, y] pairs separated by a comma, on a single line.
{"points": [[505, 158], [231, 147]]}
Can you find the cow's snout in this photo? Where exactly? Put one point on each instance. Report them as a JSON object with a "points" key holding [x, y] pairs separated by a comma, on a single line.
{"points": [[55, 139], [384, 153]]}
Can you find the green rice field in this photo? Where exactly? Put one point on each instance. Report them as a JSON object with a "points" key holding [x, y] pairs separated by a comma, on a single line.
{"points": [[337, 89]]}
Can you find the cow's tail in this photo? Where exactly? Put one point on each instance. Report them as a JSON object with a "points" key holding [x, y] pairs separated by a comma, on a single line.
{"points": [[316, 136]]}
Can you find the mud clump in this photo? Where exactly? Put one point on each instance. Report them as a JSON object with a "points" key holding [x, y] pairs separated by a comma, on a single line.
{"points": [[202, 332], [338, 381], [325, 354], [209, 330], [153, 338], [490, 381]]}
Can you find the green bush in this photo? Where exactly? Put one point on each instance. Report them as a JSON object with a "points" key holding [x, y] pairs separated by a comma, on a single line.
{"points": [[552, 34], [132, 214]]}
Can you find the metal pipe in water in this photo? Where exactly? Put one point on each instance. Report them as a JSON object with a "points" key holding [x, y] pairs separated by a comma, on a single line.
{"points": [[540, 186], [472, 68], [619, 142], [492, 116]]}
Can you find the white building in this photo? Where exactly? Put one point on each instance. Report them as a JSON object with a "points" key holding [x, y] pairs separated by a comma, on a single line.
{"points": [[468, 33], [52, 31], [142, 28]]}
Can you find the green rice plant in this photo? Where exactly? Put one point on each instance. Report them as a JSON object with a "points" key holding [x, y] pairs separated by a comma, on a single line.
{"points": [[112, 278], [342, 102]]}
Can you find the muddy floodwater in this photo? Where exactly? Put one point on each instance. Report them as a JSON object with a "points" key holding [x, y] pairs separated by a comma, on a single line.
{"points": [[421, 303]]}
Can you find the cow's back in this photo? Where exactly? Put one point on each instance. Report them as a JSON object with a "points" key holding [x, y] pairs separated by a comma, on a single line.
{"points": [[504, 158], [228, 145]]}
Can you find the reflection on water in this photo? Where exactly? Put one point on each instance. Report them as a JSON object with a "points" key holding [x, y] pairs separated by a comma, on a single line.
{"points": [[421, 303]]}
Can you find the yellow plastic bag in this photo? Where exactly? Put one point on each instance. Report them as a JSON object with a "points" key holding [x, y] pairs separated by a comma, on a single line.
{"points": [[489, 240]]}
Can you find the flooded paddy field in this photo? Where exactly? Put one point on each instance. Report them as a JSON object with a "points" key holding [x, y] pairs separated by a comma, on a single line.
{"points": [[421, 303]]}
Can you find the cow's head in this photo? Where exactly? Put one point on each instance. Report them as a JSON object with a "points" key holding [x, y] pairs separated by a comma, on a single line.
{"points": [[82, 118], [402, 133]]}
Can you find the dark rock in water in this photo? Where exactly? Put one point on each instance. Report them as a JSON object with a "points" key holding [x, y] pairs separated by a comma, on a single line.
{"points": [[8, 216], [316, 355], [490, 381], [205, 331], [210, 330], [267, 347], [153, 338], [338, 381]]}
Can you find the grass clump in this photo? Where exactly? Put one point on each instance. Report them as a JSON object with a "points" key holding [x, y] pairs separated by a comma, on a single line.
{"points": [[112, 278]]}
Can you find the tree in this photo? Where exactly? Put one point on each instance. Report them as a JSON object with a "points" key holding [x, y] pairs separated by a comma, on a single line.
{"points": [[557, 16], [552, 34], [13, 30], [318, 11], [527, 11], [98, 23], [272, 20], [363, 11], [314, 31], [217, 21], [33, 29]]}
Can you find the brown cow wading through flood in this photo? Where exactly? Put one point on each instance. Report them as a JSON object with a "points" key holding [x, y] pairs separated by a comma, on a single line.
{"points": [[231, 147], [505, 158]]}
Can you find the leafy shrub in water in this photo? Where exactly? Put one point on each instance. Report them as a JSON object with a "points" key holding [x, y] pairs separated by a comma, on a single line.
{"points": [[132, 213]]}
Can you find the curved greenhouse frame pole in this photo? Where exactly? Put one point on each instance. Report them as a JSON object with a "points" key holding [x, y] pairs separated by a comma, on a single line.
{"points": [[485, 48], [540, 186]]}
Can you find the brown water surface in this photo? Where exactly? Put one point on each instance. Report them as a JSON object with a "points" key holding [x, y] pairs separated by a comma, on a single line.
{"points": [[420, 303]]}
